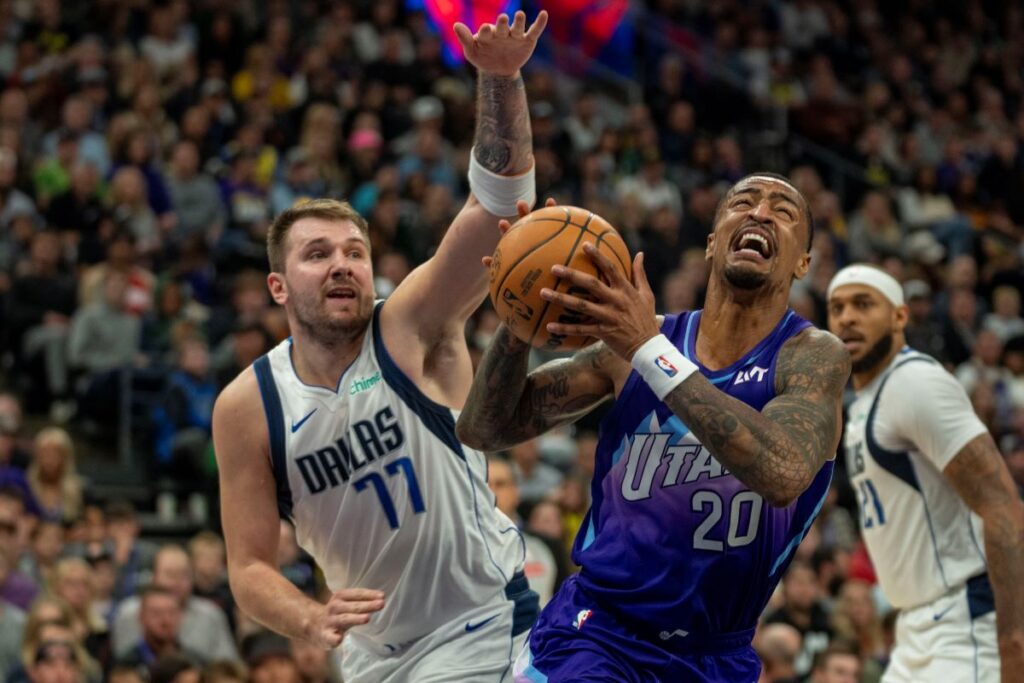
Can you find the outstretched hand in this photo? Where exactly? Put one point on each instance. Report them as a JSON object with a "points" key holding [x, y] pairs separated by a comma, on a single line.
{"points": [[523, 209], [622, 311], [346, 608], [501, 48]]}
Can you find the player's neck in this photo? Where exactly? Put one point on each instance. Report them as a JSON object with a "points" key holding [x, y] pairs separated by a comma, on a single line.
{"points": [[730, 326], [317, 364], [862, 379]]}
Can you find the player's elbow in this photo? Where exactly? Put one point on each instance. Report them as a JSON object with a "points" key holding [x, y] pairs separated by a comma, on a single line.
{"points": [[467, 435]]}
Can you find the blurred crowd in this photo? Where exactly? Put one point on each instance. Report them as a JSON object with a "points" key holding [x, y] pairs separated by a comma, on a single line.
{"points": [[146, 144]]}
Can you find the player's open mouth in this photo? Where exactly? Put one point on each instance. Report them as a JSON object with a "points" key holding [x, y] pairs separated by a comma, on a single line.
{"points": [[851, 340], [341, 293], [754, 243]]}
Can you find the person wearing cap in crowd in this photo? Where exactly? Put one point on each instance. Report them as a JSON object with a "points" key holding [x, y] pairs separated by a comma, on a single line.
{"points": [[923, 331], [939, 511]]}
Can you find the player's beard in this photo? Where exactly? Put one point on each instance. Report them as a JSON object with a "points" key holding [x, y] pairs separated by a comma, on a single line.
{"points": [[325, 330], [875, 355], [743, 278]]}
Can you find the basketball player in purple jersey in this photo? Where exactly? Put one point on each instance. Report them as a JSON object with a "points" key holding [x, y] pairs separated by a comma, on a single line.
{"points": [[712, 463]]}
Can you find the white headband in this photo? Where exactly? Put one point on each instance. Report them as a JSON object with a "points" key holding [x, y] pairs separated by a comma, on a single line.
{"points": [[872, 277]]}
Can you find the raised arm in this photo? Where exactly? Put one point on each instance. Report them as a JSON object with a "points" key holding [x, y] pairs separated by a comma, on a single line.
{"points": [[502, 146], [980, 476], [506, 406], [251, 529], [776, 452]]}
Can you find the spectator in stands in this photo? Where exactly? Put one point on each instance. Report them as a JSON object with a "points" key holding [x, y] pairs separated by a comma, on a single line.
{"points": [[540, 565], [133, 557], [536, 478], [160, 631], [225, 672], [53, 477], [269, 658], [50, 621], [804, 611], [1005, 319], [12, 630], [874, 231], [778, 646], [42, 303], [311, 661], [295, 565], [76, 119], [855, 620], [205, 628], [45, 545], [175, 668], [121, 257], [72, 583], [838, 663], [125, 674], [79, 213], [195, 196], [184, 414], [207, 552]]}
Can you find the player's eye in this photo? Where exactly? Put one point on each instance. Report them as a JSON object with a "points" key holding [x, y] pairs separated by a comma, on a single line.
{"points": [[739, 203], [787, 212], [355, 253], [316, 255]]}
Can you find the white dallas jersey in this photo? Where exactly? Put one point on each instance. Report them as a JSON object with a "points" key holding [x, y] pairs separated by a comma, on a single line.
{"points": [[383, 495], [901, 432]]}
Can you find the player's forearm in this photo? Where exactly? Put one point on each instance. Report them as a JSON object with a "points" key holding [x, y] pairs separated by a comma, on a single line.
{"points": [[488, 421], [1004, 550], [776, 456], [267, 597], [502, 141]]}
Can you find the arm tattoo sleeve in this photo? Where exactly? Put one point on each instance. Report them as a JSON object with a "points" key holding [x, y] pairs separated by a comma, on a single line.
{"points": [[506, 406], [983, 481], [502, 140], [776, 452]]}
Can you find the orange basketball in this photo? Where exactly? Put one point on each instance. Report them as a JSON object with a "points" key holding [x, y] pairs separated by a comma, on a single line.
{"points": [[522, 267]]}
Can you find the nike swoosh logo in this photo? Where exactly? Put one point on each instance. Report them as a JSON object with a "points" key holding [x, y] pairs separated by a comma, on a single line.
{"points": [[470, 627], [296, 425], [938, 616]]}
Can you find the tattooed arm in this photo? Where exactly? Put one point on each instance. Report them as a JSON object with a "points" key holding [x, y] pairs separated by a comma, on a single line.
{"points": [[434, 301], [778, 451], [980, 477], [506, 406]]}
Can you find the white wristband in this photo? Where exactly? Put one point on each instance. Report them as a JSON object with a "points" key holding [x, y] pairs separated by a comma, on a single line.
{"points": [[662, 365], [499, 193]]}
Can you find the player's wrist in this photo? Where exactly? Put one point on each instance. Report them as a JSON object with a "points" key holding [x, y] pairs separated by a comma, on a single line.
{"points": [[499, 193], [662, 365]]}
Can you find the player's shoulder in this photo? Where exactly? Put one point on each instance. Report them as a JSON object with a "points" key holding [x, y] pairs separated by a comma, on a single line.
{"points": [[813, 358], [914, 372], [238, 411]]}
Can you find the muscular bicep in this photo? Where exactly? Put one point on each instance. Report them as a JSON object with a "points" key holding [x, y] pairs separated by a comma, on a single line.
{"points": [[979, 475], [247, 490], [810, 375], [562, 391]]}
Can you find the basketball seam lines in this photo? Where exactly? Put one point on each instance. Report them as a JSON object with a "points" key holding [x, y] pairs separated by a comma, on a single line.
{"points": [[568, 260], [515, 264]]}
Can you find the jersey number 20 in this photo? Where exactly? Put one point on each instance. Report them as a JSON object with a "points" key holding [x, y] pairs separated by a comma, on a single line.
{"points": [[381, 487]]}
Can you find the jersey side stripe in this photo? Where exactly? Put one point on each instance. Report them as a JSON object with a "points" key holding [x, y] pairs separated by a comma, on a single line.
{"points": [[899, 464], [275, 425], [437, 418]]}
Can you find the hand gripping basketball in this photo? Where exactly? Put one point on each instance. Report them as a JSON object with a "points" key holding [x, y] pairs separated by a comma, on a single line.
{"points": [[622, 309], [346, 608]]}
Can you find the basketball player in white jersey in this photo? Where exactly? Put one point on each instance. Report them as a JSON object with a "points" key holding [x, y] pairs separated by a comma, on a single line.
{"points": [[939, 512], [347, 428]]}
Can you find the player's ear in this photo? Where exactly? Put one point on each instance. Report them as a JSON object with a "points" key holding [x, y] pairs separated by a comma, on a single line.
{"points": [[803, 264], [900, 315], [711, 246], [278, 288]]}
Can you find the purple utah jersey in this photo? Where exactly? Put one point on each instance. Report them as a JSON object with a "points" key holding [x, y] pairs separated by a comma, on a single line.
{"points": [[674, 544]]}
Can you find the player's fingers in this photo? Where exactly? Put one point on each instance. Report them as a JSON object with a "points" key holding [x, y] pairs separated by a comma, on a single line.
{"points": [[550, 201], [487, 261], [575, 303], [485, 34], [538, 26], [612, 274], [580, 279], [332, 638], [519, 24], [522, 208], [501, 26], [639, 274], [343, 622], [357, 594], [358, 607], [464, 35]]}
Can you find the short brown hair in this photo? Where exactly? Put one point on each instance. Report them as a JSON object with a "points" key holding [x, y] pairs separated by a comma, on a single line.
{"points": [[325, 209]]}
